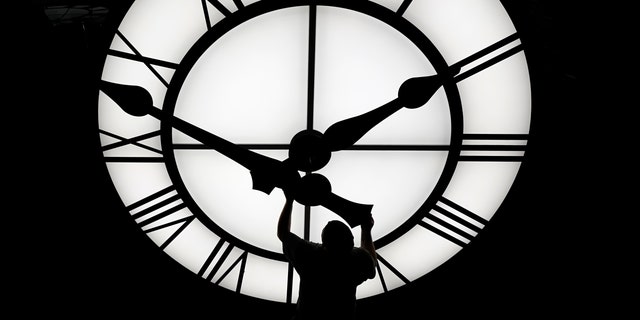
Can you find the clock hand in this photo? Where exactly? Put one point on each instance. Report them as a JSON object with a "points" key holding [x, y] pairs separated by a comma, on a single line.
{"points": [[266, 173], [353, 213], [413, 93], [315, 189]]}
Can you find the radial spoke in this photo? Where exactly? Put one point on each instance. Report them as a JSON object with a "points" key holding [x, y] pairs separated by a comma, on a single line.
{"points": [[311, 66], [311, 74], [360, 147]]}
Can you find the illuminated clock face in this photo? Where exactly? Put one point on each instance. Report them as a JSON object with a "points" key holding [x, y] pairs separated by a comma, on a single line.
{"points": [[251, 75]]}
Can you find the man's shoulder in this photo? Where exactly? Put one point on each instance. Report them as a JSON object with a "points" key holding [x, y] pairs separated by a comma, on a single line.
{"points": [[293, 240], [362, 256]]}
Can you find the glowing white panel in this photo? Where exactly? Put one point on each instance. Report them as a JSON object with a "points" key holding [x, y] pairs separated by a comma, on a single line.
{"points": [[193, 246], [223, 190], [413, 255], [319, 218], [498, 99], [266, 278], [481, 186], [135, 181], [360, 65], [297, 217], [369, 288], [248, 2], [391, 4], [231, 6], [388, 180], [459, 28], [429, 249], [270, 104], [296, 286], [165, 39]]}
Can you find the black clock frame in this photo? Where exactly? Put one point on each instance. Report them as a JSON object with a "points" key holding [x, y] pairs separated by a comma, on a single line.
{"points": [[377, 11]]}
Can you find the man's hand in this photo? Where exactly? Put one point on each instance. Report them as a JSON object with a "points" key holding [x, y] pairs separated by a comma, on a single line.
{"points": [[367, 224]]}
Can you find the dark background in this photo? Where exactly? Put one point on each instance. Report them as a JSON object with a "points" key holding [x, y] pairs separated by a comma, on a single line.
{"points": [[78, 253]]}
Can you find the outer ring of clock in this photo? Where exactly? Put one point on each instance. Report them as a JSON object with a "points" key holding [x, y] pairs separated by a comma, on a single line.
{"points": [[365, 7]]}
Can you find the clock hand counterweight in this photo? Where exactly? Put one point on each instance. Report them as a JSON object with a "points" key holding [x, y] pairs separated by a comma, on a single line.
{"points": [[413, 93], [266, 173]]}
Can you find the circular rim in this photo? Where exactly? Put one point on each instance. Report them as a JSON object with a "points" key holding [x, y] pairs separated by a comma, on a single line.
{"points": [[254, 10]]}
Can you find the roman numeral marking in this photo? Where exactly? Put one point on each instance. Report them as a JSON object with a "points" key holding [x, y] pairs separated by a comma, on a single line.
{"points": [[392, 269], [403, 7], [208, 272], [494, 48], [147, 61], [158, 206], [216, 4], [238, 4], [220, 7], [453, 222], [493, 147], [134, 141]]}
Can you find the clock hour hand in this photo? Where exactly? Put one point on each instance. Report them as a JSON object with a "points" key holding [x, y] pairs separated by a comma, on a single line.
{"points": [[266, 173], [353, 213], [315, 189], [413, 93]]}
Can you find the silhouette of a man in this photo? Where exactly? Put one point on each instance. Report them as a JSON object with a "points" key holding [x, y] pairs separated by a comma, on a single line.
{"points": [[330, 271]]}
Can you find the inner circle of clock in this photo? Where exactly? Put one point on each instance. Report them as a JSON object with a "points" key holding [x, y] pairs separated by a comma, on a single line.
{"points": [[333, 109]]}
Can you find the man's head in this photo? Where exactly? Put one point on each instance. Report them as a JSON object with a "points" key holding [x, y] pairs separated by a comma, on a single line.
{"points": [[337, 237]]}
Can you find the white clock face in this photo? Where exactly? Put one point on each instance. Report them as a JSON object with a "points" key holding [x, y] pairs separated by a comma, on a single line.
{"points": [[240, 70]]}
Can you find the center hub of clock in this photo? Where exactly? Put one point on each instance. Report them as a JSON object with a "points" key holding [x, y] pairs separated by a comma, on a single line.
{"points": [[308, 151]]}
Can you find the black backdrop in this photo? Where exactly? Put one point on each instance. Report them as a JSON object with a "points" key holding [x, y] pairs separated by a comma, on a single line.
{"points": [[77, 252]]}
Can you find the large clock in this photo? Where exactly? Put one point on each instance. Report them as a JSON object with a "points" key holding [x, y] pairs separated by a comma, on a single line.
{"points": [[415, 111]]}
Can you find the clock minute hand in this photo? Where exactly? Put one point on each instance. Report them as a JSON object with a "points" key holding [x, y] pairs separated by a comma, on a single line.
{"points": [[413, 93], [266, 173]]}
